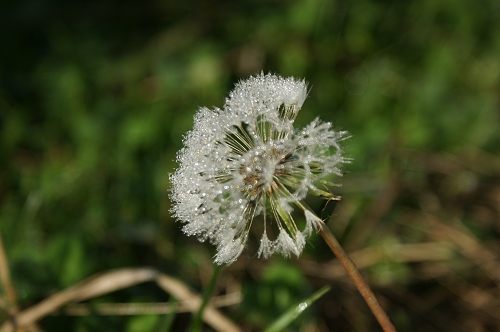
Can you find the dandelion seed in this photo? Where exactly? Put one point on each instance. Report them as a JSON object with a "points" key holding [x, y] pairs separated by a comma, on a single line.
{"points": [[247, 161]]}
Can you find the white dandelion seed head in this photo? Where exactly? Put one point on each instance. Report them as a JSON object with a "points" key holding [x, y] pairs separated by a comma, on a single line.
{"points": [[266, 247], [247, 160], [312, 223]]}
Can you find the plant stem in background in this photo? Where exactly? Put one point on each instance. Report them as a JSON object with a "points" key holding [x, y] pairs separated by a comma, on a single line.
{"points": [[167, 320], [357, 278], [6, 283], [198, 319]]}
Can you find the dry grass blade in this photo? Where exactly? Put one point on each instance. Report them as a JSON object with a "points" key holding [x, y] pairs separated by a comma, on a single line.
{"points": [[112, 281], [90, 288], [160, 308], [471, 247], [474, 297], [210, 315], [417, 252], [10, 294]]}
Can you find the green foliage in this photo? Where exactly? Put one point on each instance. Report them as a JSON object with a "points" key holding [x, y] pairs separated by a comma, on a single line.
{"points": [[142, 323], [280, 287], [95, 98]]}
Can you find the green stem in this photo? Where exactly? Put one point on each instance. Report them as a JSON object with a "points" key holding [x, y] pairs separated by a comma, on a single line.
{"points": [[198, 319], [358, 280]]}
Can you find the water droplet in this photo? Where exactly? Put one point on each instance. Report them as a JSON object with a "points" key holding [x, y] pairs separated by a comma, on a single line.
{"points": [[301, 307]]}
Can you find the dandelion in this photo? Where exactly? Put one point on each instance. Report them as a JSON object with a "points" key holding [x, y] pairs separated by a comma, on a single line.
{"points": [[247, 160]]}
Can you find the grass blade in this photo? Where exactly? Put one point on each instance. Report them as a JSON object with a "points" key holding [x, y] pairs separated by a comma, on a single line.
{"points": [[291, 314]]}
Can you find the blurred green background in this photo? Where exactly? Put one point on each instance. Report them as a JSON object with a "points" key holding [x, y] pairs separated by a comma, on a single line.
{"points": [[95, 97]]}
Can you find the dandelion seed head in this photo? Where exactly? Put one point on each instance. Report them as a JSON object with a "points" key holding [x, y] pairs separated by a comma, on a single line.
{"points": [[247, 160]]}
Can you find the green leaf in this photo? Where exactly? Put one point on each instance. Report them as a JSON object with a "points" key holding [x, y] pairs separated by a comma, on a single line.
{"points": [[291, 314], [197, 322], [165, 322]]}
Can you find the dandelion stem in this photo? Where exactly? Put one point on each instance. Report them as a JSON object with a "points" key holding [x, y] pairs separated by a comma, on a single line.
{"points": [[198, 319], [357, 278]]}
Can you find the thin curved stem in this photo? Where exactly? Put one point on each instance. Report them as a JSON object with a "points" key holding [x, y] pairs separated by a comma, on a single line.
{"points": [[357, 278], [198, 319]]}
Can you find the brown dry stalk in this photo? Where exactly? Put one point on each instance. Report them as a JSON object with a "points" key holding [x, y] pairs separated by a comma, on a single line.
{"points": [[358, 280], [112, 281], [158, 308], [427, 252], [464, 241], [210, 315], [6, 282]]}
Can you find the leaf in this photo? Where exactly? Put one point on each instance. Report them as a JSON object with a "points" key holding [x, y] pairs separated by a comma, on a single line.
{"points": [[289, 316]]}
